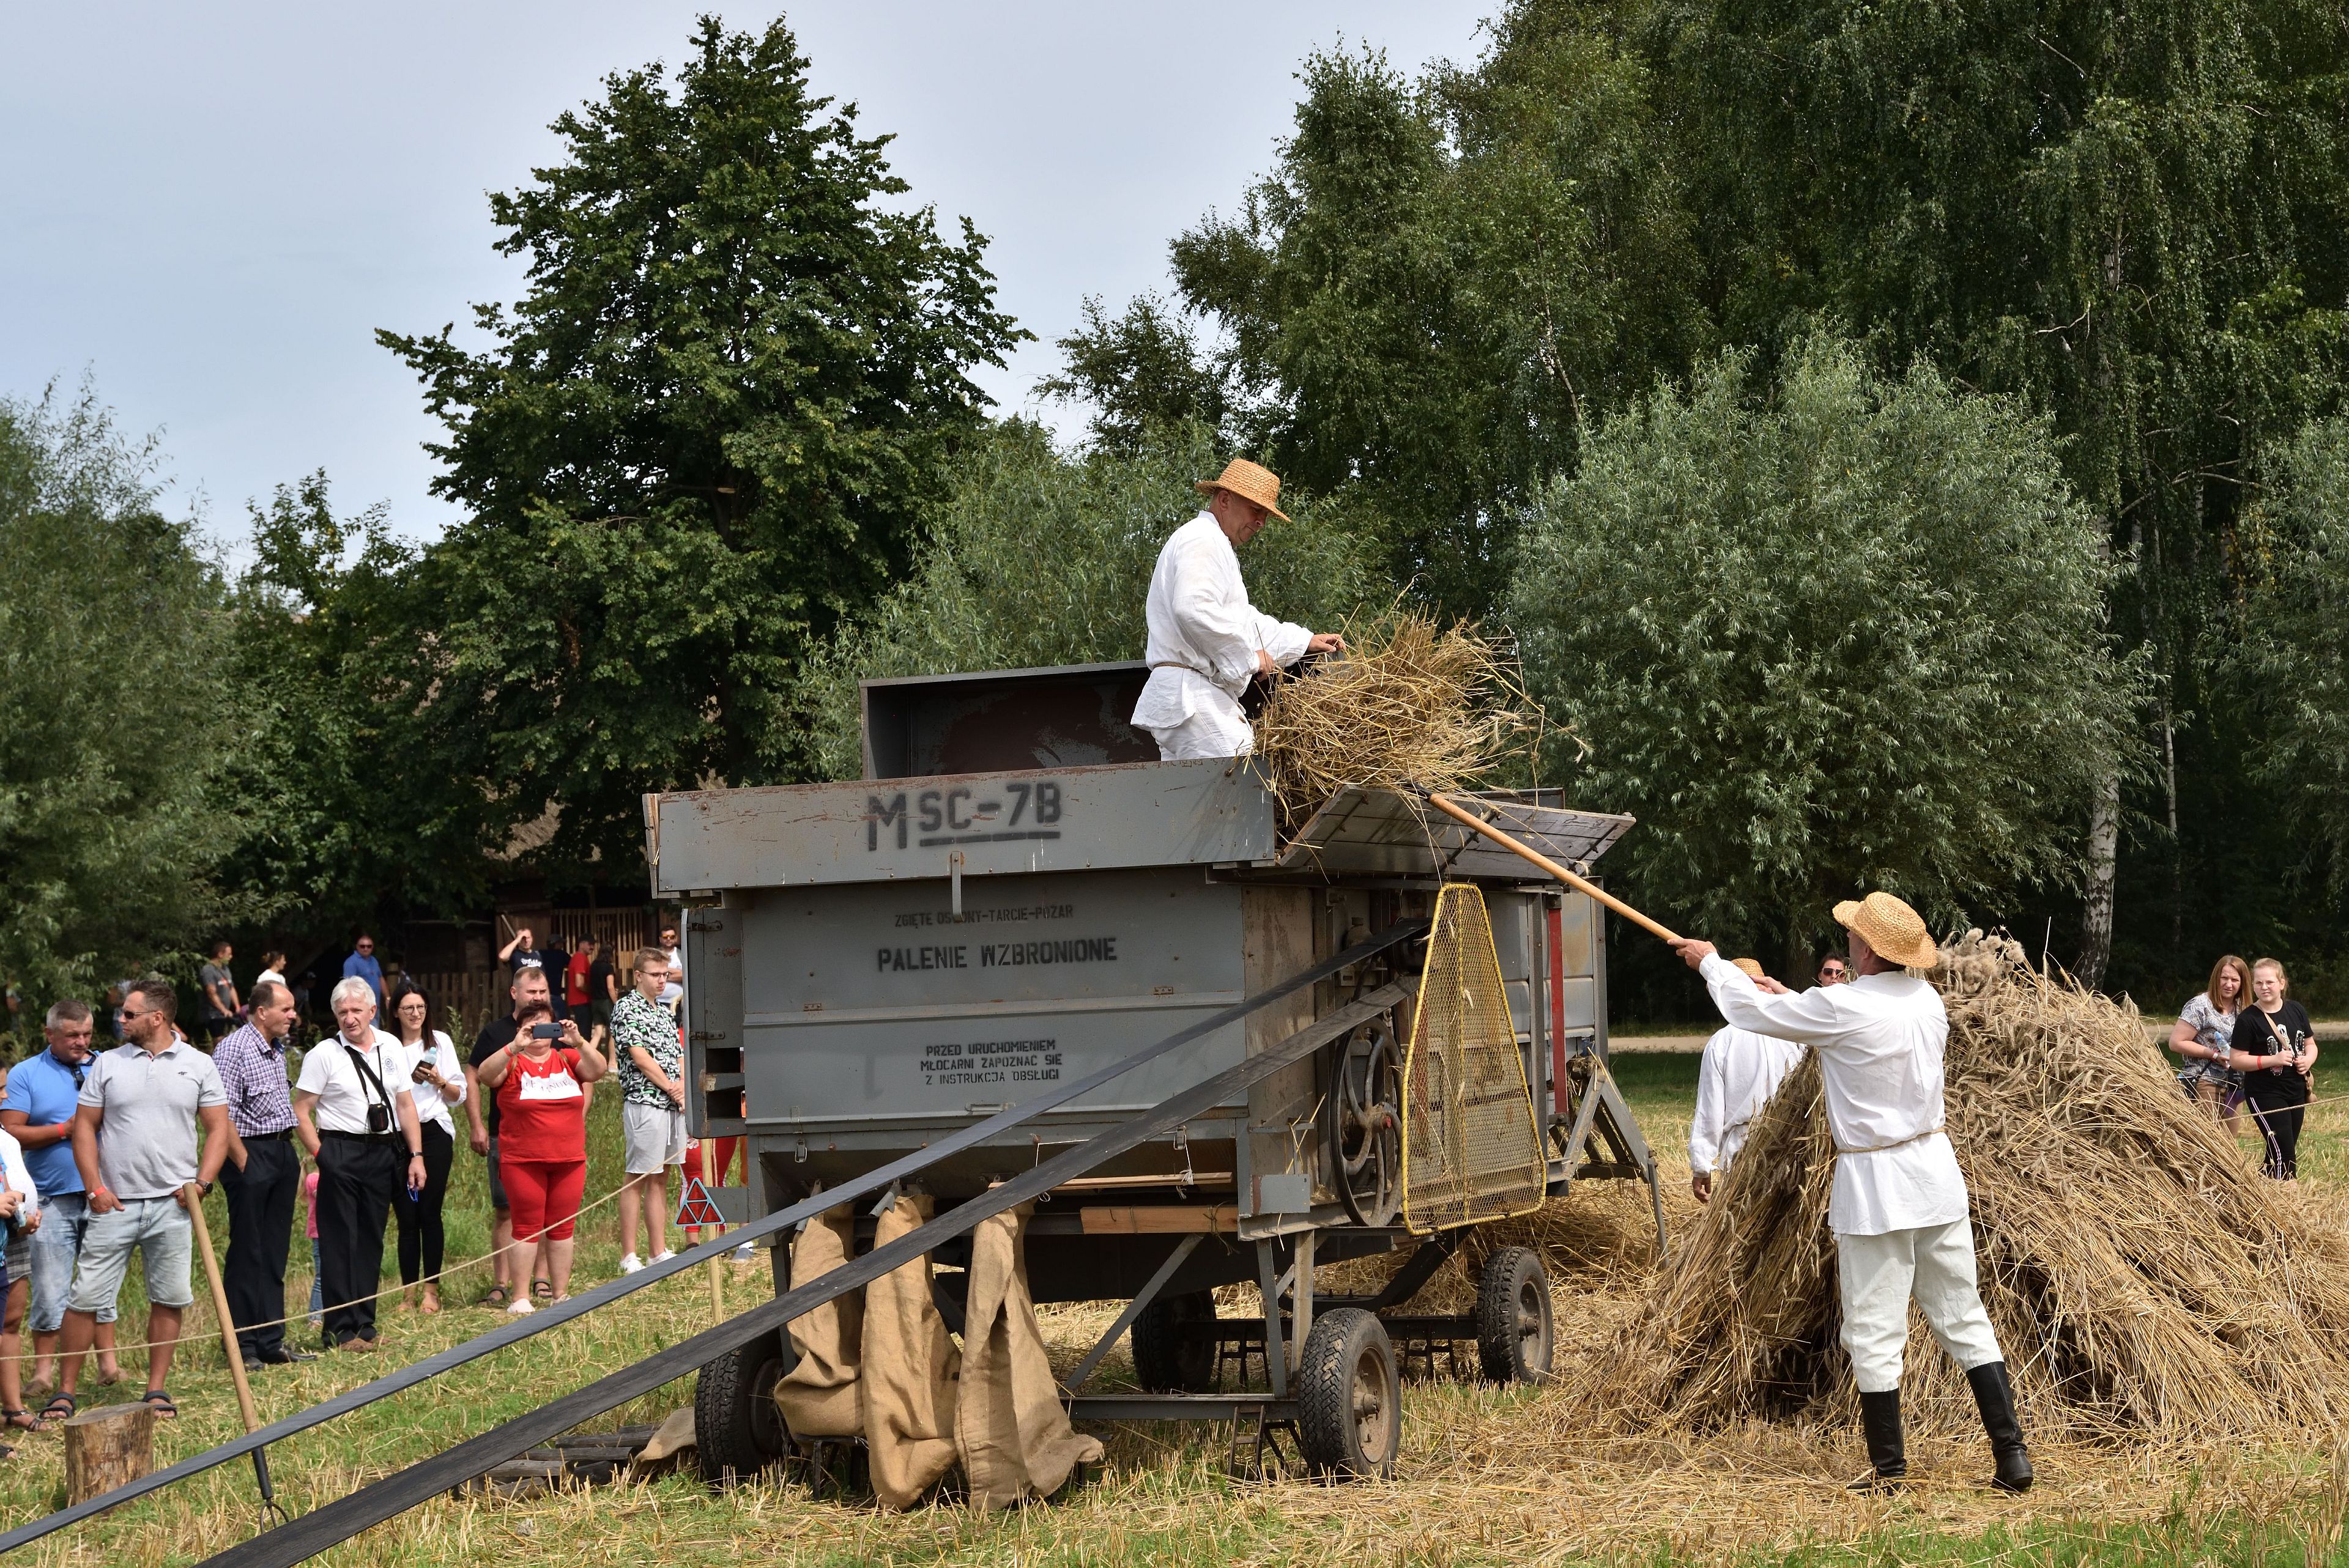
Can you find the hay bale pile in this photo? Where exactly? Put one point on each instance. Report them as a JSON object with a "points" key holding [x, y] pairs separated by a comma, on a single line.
{"points": [[1409, 705], [2145, 1280]]}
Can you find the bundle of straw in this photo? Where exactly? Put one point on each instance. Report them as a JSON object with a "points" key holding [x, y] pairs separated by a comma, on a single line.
{"points": [[2144, 1278], [1407, 706]]}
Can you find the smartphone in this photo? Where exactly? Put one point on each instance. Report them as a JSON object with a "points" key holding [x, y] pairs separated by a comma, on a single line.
{"points": [[546, 1031]]}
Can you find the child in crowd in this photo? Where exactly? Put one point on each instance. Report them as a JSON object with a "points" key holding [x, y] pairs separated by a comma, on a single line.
{"points": [[310, 1229]]}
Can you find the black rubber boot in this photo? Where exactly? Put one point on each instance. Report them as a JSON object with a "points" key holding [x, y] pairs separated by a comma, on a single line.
{"points": [[1880, 1418], [1995, 1397]]}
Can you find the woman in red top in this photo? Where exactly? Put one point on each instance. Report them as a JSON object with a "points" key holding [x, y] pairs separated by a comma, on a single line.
{"points": [[540, 1080]]}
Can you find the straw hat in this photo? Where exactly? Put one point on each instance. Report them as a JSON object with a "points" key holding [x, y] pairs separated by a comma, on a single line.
{"points": [[1893, 929], [1752, 968], [1249, 482]]}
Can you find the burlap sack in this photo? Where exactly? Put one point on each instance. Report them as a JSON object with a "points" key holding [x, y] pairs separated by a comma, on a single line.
{"points": [[818, 1396], [907, 1389], [1015, 1439]]}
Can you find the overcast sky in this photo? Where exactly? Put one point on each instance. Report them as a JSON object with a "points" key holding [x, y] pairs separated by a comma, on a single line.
{"points": [[211, 208]]}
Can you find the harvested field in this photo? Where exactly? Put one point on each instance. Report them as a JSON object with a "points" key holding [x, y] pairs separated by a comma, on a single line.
{"points": [[1488, 1476]]}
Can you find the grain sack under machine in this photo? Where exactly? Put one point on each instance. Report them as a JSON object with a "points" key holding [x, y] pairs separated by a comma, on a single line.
{"points": [[1017, 895]]}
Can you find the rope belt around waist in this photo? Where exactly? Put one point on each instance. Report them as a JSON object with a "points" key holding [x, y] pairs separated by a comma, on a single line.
{"points": [[1895, 1143]]}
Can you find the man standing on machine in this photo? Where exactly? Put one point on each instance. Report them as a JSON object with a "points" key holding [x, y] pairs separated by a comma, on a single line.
{"points": [[1899, 1209], [1207, 641]]}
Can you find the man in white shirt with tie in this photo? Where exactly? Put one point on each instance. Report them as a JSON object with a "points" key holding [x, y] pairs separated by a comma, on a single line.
{"points": [[1207, 641], [1898, 1209], [1739, 1072]]}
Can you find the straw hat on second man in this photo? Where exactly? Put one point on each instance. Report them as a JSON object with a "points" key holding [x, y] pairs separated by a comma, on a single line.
{"points": [[1249, 482], [1893, 930]]}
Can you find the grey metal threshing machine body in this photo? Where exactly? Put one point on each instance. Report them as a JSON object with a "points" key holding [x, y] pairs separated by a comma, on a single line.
{"points": [[1018, 894]]}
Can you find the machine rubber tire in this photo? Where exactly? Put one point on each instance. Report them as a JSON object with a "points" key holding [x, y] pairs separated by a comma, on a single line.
{"points": [[737, 1429], [1349, 1396], [1515, 1339], [1164, 1360]]}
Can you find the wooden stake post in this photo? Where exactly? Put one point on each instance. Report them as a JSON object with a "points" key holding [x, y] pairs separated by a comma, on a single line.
{"points": [[193, 1197]]}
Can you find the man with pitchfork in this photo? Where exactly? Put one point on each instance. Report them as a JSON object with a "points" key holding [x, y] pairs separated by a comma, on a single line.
{"points": [[1899, 1209]]}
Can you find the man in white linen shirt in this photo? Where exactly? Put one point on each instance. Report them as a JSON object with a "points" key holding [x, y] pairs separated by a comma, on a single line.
{"points": [[1739, 1072], [1207, 641], [357, 1119], [1899, 1209]]}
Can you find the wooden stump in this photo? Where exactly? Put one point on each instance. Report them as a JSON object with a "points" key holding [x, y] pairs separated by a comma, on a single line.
{"points": [[106, 1448]]}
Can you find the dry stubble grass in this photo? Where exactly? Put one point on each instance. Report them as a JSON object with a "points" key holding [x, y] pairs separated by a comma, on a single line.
{"points": [[1488, 1476]]}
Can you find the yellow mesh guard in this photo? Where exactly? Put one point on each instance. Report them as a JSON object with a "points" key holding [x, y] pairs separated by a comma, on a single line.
{"points": [[1471, 1145]]}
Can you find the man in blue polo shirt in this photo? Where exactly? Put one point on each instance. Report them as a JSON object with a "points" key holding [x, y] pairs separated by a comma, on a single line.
{"points": [[362, 966], [38, 1112]]}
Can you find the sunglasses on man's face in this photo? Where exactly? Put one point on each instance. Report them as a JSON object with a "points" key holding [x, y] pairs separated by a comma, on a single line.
{"points": [[1833, 972]]}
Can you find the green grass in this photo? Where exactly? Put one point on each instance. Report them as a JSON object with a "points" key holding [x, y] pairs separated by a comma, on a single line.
{"points": [[1161, 1497]]}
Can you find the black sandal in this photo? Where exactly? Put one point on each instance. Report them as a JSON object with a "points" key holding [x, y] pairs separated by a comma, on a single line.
{"points": [[23, 1421], [165, 1410], [60, 1407]]}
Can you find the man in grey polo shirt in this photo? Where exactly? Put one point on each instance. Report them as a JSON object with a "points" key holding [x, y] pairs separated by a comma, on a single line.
{"points": [[134, 1141]]}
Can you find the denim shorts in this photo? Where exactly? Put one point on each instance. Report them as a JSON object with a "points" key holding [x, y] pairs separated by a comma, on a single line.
{"points": [[55, 1246], [156, 1226]]}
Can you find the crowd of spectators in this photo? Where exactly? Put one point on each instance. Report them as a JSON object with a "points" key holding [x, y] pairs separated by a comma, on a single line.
{"points": [[103, 1152]]}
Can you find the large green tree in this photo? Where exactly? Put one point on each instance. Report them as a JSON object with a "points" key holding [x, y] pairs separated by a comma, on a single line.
{"points": [[2128, 216], [705, 436], [117, 713], [1838, 633], [1436, 284]]}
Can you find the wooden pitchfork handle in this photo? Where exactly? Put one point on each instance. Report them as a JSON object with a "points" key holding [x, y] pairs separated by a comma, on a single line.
{"points": [[1552, 868], [192, 1198]]}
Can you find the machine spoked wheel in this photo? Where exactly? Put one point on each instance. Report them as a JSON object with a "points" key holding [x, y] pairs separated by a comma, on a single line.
{"points": [[1361, 1124], [738, 1428], [1349, 1396], [1513, 1333], [1168, 1359]]}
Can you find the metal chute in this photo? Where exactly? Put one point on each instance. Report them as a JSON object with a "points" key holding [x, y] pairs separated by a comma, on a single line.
{"points": [[1471, 1147]]}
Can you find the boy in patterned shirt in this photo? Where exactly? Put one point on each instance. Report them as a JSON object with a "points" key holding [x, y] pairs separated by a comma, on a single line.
{"points": [[645, 1038]]}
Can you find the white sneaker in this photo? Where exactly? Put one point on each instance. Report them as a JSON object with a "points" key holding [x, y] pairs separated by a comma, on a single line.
{"points": [[521, 1307], [661, 1256], [745, 1254], [630, 1262]]}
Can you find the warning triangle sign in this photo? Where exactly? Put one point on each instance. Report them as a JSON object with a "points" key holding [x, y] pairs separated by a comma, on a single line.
{"points": [[697, 1207]]}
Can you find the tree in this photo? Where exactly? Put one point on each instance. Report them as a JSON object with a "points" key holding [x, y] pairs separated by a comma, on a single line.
{"points": [[116, 713], [352, 812], [2129, 216], [1143, 373], [1839, 635], [1435, 287], [1041, 559], [705, 437], [2287, 645]]}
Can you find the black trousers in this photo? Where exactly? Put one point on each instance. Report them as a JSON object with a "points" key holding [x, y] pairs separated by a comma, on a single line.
{"points": [[2279, 1109], [420, 1235], [260, 1235], [356, 1183]]}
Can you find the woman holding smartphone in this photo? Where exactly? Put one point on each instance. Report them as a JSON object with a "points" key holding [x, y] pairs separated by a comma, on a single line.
{"points": [[2274, 1047], [437, 1083], [540, 1080]]}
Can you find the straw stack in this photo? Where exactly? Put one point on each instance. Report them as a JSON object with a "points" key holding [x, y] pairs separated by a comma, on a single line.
{"points": [[1409, 705], [2145, 1280]]}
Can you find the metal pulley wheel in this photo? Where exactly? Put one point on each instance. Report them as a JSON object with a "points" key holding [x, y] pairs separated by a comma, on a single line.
{"points": [[1362, 1123]]}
